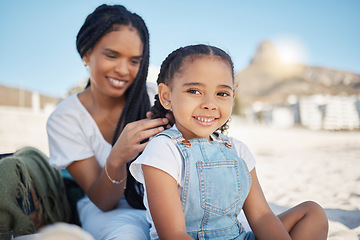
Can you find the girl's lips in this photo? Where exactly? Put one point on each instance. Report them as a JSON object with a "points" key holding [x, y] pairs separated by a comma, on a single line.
{"points": [[205, 120], [117, 83]]}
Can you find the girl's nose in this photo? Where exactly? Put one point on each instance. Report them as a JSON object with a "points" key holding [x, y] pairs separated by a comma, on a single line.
{"points": [[122, 68], [209, 104]]}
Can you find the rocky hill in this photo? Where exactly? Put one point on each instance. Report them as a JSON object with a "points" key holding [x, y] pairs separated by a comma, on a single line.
{"points": [[269, 80]]}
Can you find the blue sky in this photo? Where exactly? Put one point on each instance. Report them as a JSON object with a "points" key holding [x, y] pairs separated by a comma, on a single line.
{"points": [[37, 41]]}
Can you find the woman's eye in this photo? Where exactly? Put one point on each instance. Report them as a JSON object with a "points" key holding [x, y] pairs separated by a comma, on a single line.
{"points": [[135, 62], [193, 91], [110, 56]]}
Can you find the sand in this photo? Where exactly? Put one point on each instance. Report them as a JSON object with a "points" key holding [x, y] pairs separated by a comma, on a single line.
{"points": [[293, 165], [296, 165]]}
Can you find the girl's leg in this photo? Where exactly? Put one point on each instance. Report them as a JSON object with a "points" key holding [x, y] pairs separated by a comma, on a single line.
{"points": [[306, 221]]}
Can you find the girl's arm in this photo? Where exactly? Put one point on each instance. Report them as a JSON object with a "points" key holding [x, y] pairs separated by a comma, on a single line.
{"points": [[264, 223], [165, 204]]}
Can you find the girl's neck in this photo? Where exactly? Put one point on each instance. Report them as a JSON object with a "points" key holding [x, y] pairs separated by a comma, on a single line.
{"points": [[188, 137]]}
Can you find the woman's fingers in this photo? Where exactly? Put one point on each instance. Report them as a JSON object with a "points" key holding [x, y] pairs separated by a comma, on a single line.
{"points": [[130, 142], [148, 115], [148, 133], [170, 117], [145, 124], [136, 132]]}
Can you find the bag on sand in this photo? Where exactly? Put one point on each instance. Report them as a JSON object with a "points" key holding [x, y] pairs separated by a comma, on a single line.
{"points": [[32, 192]]}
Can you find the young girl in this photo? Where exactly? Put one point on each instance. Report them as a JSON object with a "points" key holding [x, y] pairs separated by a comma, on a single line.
{"points": [[197, 180]]}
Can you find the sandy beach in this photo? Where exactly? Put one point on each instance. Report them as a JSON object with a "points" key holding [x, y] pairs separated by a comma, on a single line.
{"points": [[296, 165], [293, 165]]}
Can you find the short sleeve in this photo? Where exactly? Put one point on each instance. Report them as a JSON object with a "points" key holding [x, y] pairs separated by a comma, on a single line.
{"points": [[67, 141], [162, 154], [244, 152]]}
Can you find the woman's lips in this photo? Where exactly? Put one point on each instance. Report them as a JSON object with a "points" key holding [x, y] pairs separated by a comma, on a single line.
{"points": [[117, 83]]}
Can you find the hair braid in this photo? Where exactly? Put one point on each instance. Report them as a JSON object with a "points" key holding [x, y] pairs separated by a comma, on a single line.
{"points": [[96, 25], [136, 99], [158, 110]]}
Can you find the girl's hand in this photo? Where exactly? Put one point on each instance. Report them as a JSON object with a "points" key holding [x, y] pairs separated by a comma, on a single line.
{"points": [[130, 142]]}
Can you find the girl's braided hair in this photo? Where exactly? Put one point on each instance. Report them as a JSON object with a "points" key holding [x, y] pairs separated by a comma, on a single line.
{"points": [[100, 22], [175, 64]]}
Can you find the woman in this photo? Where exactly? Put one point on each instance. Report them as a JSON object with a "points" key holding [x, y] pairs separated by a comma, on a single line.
{"points": [[97, 133]]}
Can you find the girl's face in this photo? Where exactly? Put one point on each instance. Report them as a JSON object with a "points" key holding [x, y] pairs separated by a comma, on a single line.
{"points": [[114, 61], [201, 98]]}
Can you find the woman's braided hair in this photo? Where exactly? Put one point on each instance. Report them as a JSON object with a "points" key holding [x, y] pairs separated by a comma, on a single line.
{"points": [[175, 63], [100, 22]]}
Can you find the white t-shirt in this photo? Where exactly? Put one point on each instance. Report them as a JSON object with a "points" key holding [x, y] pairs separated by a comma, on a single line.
{"points": [[162, 153], [74, 135]]}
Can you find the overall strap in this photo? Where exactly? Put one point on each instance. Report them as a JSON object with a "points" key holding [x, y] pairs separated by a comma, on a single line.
{"points": [[171, 133], [222, 137]]}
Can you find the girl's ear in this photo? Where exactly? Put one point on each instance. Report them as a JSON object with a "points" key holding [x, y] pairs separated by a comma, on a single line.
{"points": [[164, 95], [85, 59]]}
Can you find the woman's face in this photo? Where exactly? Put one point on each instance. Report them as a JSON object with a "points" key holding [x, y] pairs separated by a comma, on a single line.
{"points": [[114, 61]]}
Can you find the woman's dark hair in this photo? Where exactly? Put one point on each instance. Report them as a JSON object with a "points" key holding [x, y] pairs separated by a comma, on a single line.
{"points": [[100, 22], [175, 62]]}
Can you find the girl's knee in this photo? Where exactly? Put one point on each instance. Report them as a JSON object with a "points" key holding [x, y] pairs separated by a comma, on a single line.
{"points": [[316, 212], [313, 208]]}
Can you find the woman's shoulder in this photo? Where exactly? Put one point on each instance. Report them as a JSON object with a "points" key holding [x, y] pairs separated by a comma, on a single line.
{"points": [[68, 104], [69, 109]]}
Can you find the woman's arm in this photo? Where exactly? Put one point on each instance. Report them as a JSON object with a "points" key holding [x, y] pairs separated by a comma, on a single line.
{"points": [[93, 179], [165, 204], [264, 223]]}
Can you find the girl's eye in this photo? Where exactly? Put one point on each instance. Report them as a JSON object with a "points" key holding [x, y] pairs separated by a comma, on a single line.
{"points": [[193, 91], [223, 94]]}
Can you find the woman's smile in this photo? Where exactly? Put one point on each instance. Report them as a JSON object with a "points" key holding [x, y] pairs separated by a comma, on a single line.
{"points": [[117, 83]]}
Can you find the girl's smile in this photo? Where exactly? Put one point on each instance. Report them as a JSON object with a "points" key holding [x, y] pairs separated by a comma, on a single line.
{"points": [[205, 120]]}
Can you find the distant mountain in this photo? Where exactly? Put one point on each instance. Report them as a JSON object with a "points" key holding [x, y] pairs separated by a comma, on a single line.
{"points": [[269, 80], [16, 97]]}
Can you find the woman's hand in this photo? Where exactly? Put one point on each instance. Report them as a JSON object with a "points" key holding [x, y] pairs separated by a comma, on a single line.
{"points": [[130, 142], [169, 116], [95, 182]]}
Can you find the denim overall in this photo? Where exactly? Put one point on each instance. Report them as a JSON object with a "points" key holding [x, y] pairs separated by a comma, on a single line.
{"points": [[217, 182]]}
